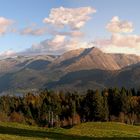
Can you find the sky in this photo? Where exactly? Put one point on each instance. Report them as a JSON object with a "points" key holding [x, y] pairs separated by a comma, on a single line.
{"points": [[57, 26]]}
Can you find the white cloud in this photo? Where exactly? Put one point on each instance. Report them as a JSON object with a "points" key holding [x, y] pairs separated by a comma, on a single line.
{"points": [[75, 18], [7, 53], [59, 39], [34, 31], [4, 25], [124, 50], [132, 41], [76, 34], [56, 46], [117, 26], [129, 44], [73, 33]]}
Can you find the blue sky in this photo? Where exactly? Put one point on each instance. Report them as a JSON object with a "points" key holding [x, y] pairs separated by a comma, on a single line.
{"points": [[25, 13]]}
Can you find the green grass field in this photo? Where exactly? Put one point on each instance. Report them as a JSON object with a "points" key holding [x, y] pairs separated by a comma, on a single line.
{"points": [[85, 131]]}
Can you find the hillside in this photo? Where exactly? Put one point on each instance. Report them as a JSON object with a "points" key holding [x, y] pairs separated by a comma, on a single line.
{"points": [[82, 80], [99, 79], [86, 131]]}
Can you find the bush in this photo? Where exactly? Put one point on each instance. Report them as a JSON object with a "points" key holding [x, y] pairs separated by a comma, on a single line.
{"points": [[17, 117]]}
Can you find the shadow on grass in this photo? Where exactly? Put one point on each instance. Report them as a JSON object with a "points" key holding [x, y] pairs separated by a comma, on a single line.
{"points": [[51, 135], [38, 134]]}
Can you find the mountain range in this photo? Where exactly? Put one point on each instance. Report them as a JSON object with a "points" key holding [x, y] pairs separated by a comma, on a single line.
{"points": [[79, 69]]}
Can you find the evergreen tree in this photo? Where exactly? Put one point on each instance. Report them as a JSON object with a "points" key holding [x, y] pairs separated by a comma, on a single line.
{"points": [[124, 101], [98, 106], [105, 105]]}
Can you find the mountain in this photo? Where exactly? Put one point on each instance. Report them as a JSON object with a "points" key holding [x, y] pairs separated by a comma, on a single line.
{"points": [[23, 72], [92, 58], [19, 62], [76, 69]]}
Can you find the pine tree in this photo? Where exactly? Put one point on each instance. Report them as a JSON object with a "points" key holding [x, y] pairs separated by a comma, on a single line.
{"points": [[105, 105], [98, 106], [124, 101]]}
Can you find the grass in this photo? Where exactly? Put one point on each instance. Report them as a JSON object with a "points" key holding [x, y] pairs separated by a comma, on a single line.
{"points": [[85, 131]]}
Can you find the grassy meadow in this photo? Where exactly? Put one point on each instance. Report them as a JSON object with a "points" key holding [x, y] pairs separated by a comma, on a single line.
{"points": [[85, 131]]}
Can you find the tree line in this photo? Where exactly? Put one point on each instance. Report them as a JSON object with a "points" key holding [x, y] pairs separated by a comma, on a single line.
{"points": [[50, 109]]}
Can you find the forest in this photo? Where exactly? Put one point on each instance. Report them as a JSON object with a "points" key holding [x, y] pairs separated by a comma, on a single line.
{"points": [[59, 109]]}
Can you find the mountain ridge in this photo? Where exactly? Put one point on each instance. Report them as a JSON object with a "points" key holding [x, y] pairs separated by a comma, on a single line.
{"points": [[98, 68]]}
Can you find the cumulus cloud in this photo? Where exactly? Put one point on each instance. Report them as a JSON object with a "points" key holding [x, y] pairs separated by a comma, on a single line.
{"points": [[58, 39], [75, 18], [117, 26], [56, 46], [34, 31], [119, 43], [4, 25]]}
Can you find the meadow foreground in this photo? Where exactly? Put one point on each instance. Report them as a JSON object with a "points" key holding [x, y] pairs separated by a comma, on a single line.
{"points": [[85, 131]]}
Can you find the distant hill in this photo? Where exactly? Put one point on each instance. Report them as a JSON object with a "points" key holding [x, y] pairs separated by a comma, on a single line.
{"points": [[20, 62]]}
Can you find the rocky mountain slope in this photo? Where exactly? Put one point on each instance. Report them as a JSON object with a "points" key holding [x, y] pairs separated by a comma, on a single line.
{"points": [[92, 58]]}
